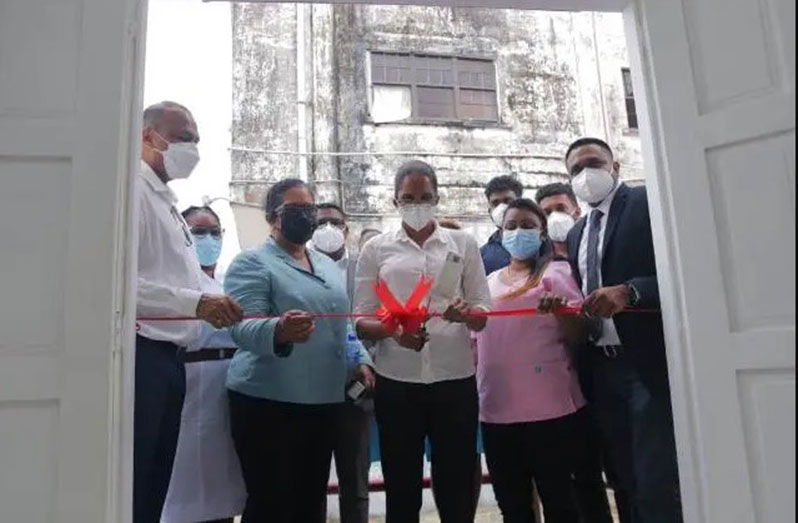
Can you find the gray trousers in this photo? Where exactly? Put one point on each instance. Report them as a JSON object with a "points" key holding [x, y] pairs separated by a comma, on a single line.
{"points": [[352, 462]]}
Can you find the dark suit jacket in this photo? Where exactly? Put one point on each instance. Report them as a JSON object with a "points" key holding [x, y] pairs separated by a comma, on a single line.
{"points": [[628, 257]]}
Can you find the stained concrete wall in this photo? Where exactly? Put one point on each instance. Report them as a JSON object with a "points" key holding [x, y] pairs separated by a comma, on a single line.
{"points": [[559, 77]]}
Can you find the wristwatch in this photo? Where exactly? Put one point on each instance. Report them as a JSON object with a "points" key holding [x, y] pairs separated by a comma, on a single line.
{"points": [[634, 294]]}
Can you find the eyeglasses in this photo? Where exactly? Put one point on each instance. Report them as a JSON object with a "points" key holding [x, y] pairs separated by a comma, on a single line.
{"points": [[335, 222], [308, 206], [215, 232]]}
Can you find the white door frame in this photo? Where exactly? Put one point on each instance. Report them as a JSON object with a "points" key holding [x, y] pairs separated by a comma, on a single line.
{"points": [[696, 479], [123, 373]]}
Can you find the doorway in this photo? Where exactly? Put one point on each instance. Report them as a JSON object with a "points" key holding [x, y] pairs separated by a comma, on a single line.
{"points": [[714, 85], [529, 80], [684, 130]]}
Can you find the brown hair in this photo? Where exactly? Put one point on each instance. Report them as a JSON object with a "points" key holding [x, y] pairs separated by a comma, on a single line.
{"points": [[539, 262]]}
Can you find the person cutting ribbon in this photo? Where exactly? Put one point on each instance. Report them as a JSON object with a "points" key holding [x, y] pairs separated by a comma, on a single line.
{"points": [[425, 378], [531, 406], [286, 383]]}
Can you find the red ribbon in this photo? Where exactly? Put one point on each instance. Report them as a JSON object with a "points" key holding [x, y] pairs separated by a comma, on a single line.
{"points": [[410, 316]]}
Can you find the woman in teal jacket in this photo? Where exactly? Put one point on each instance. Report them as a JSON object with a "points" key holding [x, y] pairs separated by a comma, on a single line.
{"points": [[288, 377]]}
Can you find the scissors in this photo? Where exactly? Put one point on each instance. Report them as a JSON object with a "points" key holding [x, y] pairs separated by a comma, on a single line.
{"points": [[423, 330]]}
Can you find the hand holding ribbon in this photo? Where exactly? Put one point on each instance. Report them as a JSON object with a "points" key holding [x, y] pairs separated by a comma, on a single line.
{"points": [[409, 317]]}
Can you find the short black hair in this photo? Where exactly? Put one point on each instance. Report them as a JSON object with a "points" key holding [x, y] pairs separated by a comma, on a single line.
{"points": [[503, 183], [330, 205], [414, 167], [276, 195], [588, 140], [554, 189], [194, 209]]}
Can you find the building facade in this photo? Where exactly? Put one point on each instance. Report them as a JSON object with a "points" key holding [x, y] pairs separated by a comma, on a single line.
{"points": [[342, 95]]}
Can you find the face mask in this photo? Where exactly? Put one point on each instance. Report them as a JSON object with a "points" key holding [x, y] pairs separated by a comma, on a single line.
{"points": [[328, 239], [208, 249], [522, 244], [593, 185], [297, 223], [179, 158], [417, 216], [497, 214], [559, 223]]}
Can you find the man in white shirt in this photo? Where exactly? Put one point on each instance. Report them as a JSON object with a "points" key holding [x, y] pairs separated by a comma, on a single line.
{"points": [[330, 238], [351, 445], [169, 284]]}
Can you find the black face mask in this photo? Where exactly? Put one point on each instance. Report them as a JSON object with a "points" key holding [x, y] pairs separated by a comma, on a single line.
{"points": [[297, 223]]}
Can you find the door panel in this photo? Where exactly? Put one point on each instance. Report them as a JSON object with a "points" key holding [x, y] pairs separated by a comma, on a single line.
{"points": [[66, 70], [722, 138]]}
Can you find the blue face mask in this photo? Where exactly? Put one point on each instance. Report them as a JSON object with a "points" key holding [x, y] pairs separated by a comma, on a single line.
{"points": [[208, 249], [522, 244]]}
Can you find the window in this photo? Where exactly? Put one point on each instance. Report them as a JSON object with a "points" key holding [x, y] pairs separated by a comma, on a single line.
{"points": [[432, 87], [629, 95]]}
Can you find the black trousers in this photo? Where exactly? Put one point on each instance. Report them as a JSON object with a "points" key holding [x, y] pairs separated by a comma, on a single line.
{"points": [[446, 412], [285, 451], [637, 424], [540, 451], [589, 485], [352, 462], [160, 389]]}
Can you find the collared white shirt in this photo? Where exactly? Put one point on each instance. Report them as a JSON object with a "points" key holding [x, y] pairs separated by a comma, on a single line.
{"points": [[610, 333], [395, 258], [169, 274], [343, 266]]}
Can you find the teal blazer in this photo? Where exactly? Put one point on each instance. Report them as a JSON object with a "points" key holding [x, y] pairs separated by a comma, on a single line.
{"points": [[268, 281]]}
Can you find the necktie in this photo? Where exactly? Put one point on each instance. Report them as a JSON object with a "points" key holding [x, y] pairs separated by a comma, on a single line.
{"points": [[596, 326]]}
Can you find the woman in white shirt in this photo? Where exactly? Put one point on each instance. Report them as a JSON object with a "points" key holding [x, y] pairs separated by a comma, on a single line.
{"points": [[206, 485], [425, 383]]}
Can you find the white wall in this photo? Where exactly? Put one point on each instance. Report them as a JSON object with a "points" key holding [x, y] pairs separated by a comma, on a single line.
{"points": [[189, 60]]}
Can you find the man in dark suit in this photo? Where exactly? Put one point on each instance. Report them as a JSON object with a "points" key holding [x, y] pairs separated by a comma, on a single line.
{"points": [[351, 446], [612, 255]]}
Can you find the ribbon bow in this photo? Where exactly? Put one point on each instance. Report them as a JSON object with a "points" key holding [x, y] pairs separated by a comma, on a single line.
{"points": [[410, 316]]}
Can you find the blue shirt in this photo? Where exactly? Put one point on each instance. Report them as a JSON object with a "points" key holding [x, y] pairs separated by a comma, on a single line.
{"points": [[494, 255], [267, 280]]}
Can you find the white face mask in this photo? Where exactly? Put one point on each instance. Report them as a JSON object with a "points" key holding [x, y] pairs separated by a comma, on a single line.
{"points": [[328, 239], [417, 215], [497, 214], [179, 158], [593, 185], [558, 225]]}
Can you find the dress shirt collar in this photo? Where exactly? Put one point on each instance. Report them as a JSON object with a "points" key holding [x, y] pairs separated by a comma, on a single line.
{"points": [[343, 263], [605, 205], [156, 184]]}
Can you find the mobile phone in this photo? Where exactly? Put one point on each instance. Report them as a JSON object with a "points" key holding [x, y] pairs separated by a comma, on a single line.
{"points": [[448, 280], [355, 391]]}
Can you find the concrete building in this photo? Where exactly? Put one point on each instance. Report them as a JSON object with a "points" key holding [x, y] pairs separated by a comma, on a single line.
{"points": [[341, 95]]}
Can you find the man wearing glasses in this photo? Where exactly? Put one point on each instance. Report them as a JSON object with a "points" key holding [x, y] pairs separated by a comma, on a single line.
{"points": [[169, 285], [351, 444]]}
